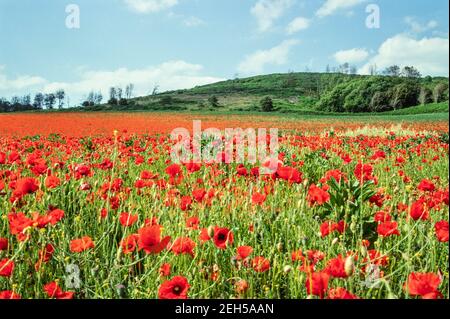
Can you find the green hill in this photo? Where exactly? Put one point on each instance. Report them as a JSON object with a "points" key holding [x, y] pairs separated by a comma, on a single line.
{"points": [[299, 92]]}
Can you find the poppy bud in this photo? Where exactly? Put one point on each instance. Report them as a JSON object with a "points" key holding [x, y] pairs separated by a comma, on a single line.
{"points": [[279, 246], [363, 251], [211, 231], [287, 269], [391, 296], [349, 266], [334, 242]]}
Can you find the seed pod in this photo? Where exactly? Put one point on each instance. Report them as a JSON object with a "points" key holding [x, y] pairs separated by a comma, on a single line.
{"points": [[349, 266], [287, 269], [211, 231], [280, 247]]}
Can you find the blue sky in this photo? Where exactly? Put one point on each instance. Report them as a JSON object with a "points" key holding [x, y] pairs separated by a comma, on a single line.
{"points": [[182, 43]]}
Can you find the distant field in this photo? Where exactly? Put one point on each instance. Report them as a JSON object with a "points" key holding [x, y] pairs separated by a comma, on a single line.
{"points": [[80, 123]]}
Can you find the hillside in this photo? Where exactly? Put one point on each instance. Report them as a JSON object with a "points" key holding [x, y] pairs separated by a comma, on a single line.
{"points": [[297, 92]]}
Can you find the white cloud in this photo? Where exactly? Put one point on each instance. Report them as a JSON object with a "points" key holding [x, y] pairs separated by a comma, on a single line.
{"points": [[297, 24], [170, 75], [331, 6], [267, 11], [428, 55], [255, 63], [18, 83], [351, 56], [193, 22], [148, 6], [417, 27]]}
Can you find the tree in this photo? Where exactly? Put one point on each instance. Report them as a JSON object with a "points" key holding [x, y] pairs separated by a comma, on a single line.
{"points": [[405, 95], [379, 102], [112, 96], [213, 101], [155, 89], [393, 70], [49, 101], [60, 95], [425, 96], [166, 100], [411, 72], [344, 68], [129, 90], [38, 100], [373, 69], [266, 104], [119, 93], [440, 93], [26, 100], [98, 98]]}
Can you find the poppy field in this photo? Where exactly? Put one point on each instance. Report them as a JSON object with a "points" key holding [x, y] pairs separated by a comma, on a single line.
{"points": [[103, 212]]}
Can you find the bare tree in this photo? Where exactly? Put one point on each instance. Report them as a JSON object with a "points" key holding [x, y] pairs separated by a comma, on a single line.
{"points": [[38, 100], [60, 95], [129, 90]]}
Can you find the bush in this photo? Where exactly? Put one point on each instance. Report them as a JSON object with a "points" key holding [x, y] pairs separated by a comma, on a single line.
{"points": [[267, 104], [213, 101]]}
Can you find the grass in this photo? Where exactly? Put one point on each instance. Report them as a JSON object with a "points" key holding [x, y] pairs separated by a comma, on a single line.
{"points": [[284, 223]]}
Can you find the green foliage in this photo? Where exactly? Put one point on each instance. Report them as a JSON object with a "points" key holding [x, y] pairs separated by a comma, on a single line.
{"points": [[213, 101], [267, 104]]}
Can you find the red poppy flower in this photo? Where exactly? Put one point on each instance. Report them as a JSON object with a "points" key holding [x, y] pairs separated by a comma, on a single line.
{"points": [[150, 239], [340, 293], [317, 195], [260, 264], [289, 174], [363, 172], [441, 230], [419, 210], [222, 237], [243, 252], [183, 245], [199, 194], [173, 170], [55, 216], [176, 288], [424, 284], [317, 284], [3, 244], [127, 219], [258, 199], [164, 270], [382, 217], [18, 222], [25, 186], [336, 267], [192, 223], [186, 202], [426, 186], [8, 294], [6, 267], [388, 229], [44, 255], [52, 181], [81, 244], [129, 243], [54, 291], [204, 237]]}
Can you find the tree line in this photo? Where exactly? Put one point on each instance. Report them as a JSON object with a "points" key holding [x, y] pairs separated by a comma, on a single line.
{"points": [[57, 100], [394, 88]]}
